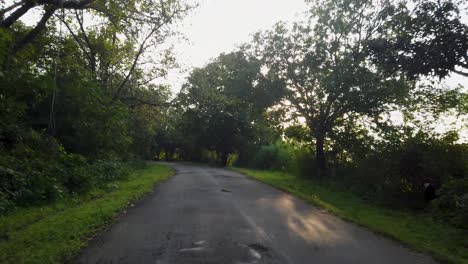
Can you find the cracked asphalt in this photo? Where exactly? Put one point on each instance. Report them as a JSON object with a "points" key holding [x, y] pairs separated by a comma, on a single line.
{"points": [[212, 215]]}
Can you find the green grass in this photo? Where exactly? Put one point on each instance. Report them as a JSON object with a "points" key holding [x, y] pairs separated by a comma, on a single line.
{"points": [[419, 231], [56, 233]]}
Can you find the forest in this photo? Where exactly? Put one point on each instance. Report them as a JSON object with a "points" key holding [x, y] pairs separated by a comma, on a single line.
{"points": [[355, 94]]}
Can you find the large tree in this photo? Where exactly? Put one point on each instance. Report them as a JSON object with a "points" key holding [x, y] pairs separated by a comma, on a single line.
{"points": [[422, 38], [132, 18], [224, 100], [325, 67], [119, 44]]}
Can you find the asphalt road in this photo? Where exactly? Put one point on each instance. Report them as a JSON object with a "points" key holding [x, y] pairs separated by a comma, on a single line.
{"points": [[210, 215]]}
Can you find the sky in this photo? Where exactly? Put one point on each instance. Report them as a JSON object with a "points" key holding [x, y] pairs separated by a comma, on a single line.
{"points": [[218, 26]]}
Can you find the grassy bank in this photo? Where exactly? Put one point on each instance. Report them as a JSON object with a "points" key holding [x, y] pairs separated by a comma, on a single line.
{"points": [[56, 233], [419, 231]]}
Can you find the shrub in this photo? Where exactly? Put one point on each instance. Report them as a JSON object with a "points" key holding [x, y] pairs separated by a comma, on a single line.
{"points": [[277, 156], [452, 203], [33, 181]]}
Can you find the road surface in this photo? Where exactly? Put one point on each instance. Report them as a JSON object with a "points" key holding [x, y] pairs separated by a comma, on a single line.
{"points": [[211, 215]]}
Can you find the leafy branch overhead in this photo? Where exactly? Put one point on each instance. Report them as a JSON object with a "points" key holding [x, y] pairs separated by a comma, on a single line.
{"points": [[427, 39], [113, 37]]}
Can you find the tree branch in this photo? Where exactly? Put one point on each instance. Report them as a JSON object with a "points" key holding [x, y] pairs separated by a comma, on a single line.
{"points": [[67, 4], [27, 5], [460, 72], [75, 37], [144, 102], [11, 7], [7, 22], [135, 61], [91, 52], [132, 68], [49, 11]]}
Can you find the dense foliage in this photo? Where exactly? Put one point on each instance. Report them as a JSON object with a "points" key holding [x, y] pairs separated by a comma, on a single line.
{"points": [[354, 94], [224, 103], [348, 95], [77, 105]]}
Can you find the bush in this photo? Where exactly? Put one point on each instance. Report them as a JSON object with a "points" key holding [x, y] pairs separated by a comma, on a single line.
{"points": [[395, 173], [391, 174], [452, 203], [75, 173], [33, 181], [276, 156], [295, 158], [111, 170]]}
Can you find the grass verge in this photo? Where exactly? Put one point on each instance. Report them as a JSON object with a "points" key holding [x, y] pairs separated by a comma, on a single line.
{"points": [[56, 233], [420, 232]]}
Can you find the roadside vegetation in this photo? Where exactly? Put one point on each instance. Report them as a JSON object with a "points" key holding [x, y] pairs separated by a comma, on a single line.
{"points": [[419, 230], [55, 233], [354, 95], [78, 114], [77, 106]]}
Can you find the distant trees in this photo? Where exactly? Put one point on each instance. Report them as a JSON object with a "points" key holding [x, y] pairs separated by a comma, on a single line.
{"points": [[224, 101]]}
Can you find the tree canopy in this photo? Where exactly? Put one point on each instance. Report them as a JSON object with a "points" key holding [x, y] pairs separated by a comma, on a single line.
{"points": [[426, 39], [354, 93], [225, 100], [326, 69]]}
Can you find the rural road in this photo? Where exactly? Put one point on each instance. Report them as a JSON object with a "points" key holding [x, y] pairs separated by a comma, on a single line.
{"points": [[211, 215]]}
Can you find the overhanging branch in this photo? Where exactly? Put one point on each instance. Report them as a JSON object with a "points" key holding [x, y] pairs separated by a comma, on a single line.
{"points": [[35, 31], [144, 102]]}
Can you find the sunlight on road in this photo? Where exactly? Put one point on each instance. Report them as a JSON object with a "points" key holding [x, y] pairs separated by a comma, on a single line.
{"points": [[312, 227]]}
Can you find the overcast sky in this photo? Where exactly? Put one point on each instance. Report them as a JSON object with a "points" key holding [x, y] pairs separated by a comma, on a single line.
{"points": [[218, 26]]}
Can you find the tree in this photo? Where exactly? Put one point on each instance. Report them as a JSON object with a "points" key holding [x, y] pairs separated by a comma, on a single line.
{"points": [[133, 18], [101, 41], [325, 67], [113, 37], [85, 83], [79, 94], [224, 100], [146, 121], [427, 39]]}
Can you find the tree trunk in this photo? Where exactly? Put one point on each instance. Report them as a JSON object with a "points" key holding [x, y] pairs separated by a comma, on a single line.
{"points": [[320, 155], [224, 159]]}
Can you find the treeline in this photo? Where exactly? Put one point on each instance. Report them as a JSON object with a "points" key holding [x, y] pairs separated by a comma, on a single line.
{"points": [[353, 95], [78, 104]]}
